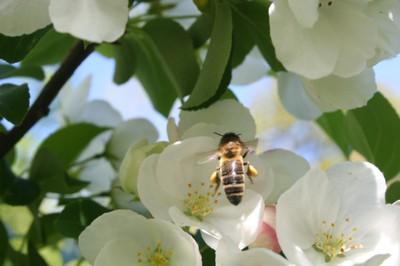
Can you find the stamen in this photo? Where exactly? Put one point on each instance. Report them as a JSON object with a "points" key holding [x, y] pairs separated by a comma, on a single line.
{"points": [[154, 256], [332, 244], [200, 204]]}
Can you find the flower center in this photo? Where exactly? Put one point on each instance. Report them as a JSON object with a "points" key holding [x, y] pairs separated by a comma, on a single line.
{"points": [[200, 204], [154, 257], [333, 244]]}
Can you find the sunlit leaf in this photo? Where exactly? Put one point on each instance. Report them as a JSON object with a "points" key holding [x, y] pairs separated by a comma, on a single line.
{"points": [[217, 58], [334, 125], [52, 48], [374, 130]]}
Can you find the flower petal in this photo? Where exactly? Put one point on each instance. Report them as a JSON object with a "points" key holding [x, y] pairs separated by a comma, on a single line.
{"points": [[284, 167], [306, 12], [333, 93], [361, 184], [223, 116], [309, 52], [151, 193], [129, 169], [295, 98], [18, 17], [91, 20], [100, 113], [226, 255], [300, 212], [128, 133]]}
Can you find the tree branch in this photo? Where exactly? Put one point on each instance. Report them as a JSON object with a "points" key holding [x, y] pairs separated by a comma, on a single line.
{"points": [[40, 107]]}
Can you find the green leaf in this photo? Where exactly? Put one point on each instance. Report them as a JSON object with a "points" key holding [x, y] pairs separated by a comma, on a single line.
{"points": [[334, 126], [43, 231], [6, 176], [254, 16], [242, 41], [55, 178], [3, 243], [216, 60], [200, 30], [9, 71], [14, 49], [153, 72], [68, 142], [21, 192], [125, 60], [14, 102], [374, 130], [393, 193], [176, 48], [52, 48], [34, 257], [77, 215]]}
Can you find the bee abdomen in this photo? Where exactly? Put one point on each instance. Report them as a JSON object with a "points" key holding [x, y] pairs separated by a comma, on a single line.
{"points": [[234, 188]]}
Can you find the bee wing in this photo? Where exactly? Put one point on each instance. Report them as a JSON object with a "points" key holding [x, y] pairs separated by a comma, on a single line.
{"points": [[251, 146], [207, 157]]}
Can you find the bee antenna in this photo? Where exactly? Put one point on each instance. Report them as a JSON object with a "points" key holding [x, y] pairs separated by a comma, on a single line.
{"points": [[219, 134]]}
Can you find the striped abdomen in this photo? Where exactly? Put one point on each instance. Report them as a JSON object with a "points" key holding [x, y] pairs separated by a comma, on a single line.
{"points": [[232, 177]]}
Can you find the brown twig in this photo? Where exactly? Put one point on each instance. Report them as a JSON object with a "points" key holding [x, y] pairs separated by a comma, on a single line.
{"points": [[40, 107]]}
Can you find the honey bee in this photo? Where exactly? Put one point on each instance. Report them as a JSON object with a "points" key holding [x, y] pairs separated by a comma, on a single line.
{"points": [[231, 170]]}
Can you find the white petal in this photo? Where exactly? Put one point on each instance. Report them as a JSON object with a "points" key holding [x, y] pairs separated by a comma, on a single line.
{"points": [[129, 132], [252, 69], [151, 193], [361, 185], [91, 20], [73, 100], [226, 255], [100, 113], [129, 169], [183, 162], [295, 98], [239, 223], [333, 93], [285, 168], [309, 52], [300, 211], [223, 116], [359, 37], [115, 238], [172, 131], [100, 175], [306, 12], [18, 17], [110, 226]]}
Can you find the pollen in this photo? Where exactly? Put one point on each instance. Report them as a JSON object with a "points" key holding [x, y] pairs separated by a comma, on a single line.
{"points": [[155, 256], [332, 244], [200, 203]]}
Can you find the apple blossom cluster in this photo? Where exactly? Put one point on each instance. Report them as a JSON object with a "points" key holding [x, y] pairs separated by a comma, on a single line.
{"points": [[329, 48], [312, 217]]}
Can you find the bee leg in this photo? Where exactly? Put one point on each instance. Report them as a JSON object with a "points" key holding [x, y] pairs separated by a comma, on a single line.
{"points": [[251, 171], [215, 180]]}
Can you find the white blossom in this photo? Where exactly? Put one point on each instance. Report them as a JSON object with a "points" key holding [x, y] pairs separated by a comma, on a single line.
{"points": [[175, 186], [308, 99], [91, 20], [336, 218], [318, 38], [125, 238]]}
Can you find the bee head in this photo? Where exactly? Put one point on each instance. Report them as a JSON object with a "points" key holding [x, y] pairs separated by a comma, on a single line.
{"points": [[230, 144]]}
